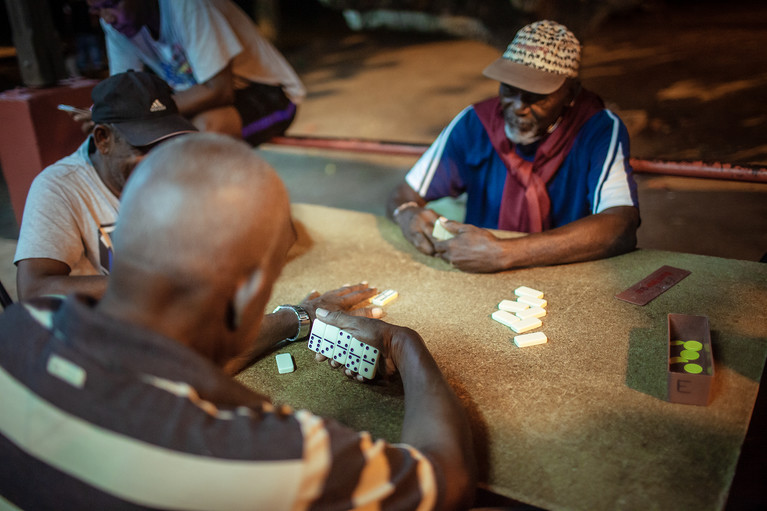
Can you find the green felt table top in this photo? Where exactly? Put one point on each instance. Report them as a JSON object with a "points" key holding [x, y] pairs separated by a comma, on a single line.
{"points": [[580, 422]]}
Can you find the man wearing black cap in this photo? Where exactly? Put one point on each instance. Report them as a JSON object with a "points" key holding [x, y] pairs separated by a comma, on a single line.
{"points": [[64, 244], [543, 157], [72, 206]]}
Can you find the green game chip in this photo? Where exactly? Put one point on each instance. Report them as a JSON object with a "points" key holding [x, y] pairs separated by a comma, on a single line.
{"points": [[677, 343], [690, 355], [693, 368], [693, 345]]}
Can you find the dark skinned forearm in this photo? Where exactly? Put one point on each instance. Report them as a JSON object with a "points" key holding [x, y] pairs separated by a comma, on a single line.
{"points": [[436, 423], [216, 92], [42, 276], [605, 234], [274, 328]]}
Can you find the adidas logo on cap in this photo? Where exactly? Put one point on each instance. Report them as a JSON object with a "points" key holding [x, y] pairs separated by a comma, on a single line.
{"points": [[157, 106]]}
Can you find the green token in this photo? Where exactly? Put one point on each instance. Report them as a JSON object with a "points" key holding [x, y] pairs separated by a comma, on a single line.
{"points": [[693, 345], [677, 343], [690, 355], [693, 368], [677, 360]]}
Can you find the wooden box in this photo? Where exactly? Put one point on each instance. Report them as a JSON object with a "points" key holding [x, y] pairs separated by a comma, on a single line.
{"points": [[690, 359]]}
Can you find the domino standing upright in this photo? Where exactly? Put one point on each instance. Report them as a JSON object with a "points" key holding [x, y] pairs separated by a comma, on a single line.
{"points": [[369, 362], [329, 337], [355, 355], [344, 348], [341, 350], [315, 338], [362, 359]]}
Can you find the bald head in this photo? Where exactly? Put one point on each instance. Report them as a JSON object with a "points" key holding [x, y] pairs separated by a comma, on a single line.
{"points": [[203, 232], [201, 206]]}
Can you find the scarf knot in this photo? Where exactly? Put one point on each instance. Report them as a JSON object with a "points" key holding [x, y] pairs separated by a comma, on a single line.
{"points": [[525, 203]]}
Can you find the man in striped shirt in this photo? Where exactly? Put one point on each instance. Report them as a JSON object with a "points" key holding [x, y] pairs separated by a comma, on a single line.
{"points": [[543, 157], [122, 403]]}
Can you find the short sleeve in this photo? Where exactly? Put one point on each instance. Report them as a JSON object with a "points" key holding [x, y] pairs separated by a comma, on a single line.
{"points": [[49, 228], [120, 53], [437, 173], [611, 179], [208, 40]]}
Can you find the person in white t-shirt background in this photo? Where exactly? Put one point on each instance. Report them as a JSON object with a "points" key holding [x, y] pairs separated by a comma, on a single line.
{"points": [[226, 77]]}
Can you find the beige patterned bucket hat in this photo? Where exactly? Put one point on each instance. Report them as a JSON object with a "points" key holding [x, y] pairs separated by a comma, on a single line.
{"points": [[539, 59]]}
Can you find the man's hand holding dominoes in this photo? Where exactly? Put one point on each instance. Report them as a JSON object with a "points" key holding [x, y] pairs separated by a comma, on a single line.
{"points": [[435, 421], [466, 247], [471, 249], [281, 324], [364, 347]]}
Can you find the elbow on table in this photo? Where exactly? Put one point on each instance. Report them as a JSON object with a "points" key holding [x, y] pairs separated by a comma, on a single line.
{"points": [[626, 236]]}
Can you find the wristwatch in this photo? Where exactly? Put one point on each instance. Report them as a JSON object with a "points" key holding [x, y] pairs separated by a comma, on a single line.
{"points": [[304, 323]]}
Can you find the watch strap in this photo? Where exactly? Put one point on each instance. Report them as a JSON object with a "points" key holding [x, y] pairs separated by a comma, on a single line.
{"points": [[304, 322]]}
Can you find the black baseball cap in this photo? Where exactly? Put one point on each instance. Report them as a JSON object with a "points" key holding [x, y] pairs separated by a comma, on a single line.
{"points": [[140, 106]]}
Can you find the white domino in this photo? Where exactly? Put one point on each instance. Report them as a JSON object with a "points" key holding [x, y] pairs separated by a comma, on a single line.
{"points": [[505, 317], [368, 369], [342, 347], [439, 230], [532, 302], [369, 362], [382, 299], [328, 344], [512, 306], [528, 291], [315, 337], [284, 363], [354, 358], [532, 312], [343, 343], [362, 359], [369, 353], [524, 325], [532, 339]]}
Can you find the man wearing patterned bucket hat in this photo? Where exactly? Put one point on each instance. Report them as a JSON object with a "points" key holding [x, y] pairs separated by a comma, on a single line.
{"points": [[544, 157]]}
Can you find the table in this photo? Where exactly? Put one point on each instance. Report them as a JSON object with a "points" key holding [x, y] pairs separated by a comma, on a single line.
{"points": [[578, 423]]}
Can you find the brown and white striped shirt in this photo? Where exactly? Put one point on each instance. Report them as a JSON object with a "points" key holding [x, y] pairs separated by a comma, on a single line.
{"points": [[95, 414]]}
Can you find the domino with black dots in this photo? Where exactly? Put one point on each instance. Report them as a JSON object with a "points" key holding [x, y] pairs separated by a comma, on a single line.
{"points": [[344, 348]]}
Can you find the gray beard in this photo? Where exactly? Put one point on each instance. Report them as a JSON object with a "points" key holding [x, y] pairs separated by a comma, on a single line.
{"points": [[516, 137]]}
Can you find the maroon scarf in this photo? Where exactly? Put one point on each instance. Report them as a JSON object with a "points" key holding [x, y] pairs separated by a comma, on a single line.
{"points": [[525, 204]]}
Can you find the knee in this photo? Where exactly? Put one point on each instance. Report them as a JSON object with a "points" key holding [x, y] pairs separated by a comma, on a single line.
{"points": [[224, 120]]}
